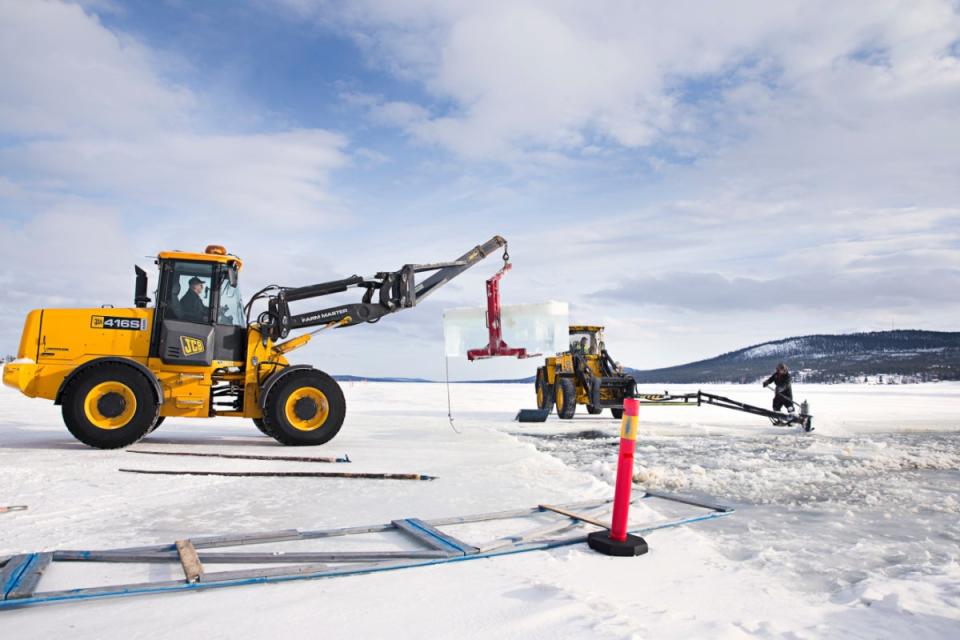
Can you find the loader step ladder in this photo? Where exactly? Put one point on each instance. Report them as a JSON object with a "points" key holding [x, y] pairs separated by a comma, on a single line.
{"points": [[415, 543]]}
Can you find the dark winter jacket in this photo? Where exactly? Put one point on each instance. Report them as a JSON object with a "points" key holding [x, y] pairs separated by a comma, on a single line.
{"points": [[192, 308], [782, 383]]}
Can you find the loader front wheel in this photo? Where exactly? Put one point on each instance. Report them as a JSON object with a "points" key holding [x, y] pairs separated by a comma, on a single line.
{"points": [[566, 398], [109, 406], [544, 391], [593, 410], [157, 423], [306, 407], [617, 413]]}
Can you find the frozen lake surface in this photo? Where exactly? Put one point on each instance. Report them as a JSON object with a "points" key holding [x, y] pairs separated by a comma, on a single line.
{"points": [[851, 531]]}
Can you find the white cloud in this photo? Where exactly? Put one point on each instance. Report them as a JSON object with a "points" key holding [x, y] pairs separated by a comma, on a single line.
{"points": [[64, 73], [91, 114], [105, 159], [529, 74]]}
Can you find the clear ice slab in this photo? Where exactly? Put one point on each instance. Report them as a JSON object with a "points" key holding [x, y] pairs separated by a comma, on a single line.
{"points": [[541, 327]]}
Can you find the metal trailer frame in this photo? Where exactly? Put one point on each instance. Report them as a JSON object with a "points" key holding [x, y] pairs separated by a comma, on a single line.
{"points": [[802, 419], [20, 575]]}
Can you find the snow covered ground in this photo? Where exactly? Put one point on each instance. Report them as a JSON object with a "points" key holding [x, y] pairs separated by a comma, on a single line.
{"points": [[852, 531]]}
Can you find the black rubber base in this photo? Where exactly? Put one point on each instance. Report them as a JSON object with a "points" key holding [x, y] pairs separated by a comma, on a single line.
{"points": [[533, 415], [632, 546]]}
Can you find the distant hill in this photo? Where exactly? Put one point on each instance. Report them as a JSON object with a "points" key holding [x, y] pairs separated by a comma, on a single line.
{"points": [[904, 356], [349, 378]]}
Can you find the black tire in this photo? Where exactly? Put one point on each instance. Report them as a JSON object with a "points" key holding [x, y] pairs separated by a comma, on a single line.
{"points": [[262, 427], [95, 406], [323, 410], [592, 410], [544, 391], [616, 412], [566, 398], [156, 424]]}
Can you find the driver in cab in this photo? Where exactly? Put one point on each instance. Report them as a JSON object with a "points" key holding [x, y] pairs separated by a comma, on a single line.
{"points": [[192, 307]]}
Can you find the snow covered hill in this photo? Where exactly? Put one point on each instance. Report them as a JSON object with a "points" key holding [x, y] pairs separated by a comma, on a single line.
{"points": [[881, 356]]}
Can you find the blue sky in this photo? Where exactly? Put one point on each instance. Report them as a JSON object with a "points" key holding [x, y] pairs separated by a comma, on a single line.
{"points": [[696, 176]]}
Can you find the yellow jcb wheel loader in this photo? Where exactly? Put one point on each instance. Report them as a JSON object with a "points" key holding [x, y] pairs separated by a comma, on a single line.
{"points": [[586, 374], [117, 373]]}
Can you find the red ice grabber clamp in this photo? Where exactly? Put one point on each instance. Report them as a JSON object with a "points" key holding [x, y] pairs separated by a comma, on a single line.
{"points": [[496, 346], [617, 542]]}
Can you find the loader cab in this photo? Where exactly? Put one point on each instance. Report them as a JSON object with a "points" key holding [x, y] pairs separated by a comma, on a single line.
{"points": [[199, 312], [587, 340]]}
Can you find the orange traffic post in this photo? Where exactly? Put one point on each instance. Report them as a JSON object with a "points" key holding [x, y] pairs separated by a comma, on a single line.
{"points": [[616, 541]]}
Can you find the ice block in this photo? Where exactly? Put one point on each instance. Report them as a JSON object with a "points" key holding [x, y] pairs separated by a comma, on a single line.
{"points": [[538, 327]]}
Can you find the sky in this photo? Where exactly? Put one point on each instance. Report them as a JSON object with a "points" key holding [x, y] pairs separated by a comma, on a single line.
{"points": [[696, 176]]}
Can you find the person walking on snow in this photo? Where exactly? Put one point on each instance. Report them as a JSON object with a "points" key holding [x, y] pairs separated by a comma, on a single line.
{"points": [[784, 391]]}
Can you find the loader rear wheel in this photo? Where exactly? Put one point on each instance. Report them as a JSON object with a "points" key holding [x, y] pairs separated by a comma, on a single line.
{"points": [[592, 410], [306, 407], [617, 413], [544, 391], [566, 398], [109, 406]]}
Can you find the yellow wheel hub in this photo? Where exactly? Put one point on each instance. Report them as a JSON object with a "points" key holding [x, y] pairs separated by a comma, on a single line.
{"points": [[559, 395], [307, 409], [110, 405], [540, 394]]}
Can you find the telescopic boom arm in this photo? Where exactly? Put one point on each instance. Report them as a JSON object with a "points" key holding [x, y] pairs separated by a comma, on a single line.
{"points": [[393, 290]]}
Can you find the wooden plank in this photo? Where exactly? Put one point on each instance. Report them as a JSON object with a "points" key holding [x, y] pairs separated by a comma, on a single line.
{"points": [[192, 568], [575, 516], [26, 585]]}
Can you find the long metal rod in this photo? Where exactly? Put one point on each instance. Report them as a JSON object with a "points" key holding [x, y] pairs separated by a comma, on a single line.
{"points": [[695, 502], [287, 474], [160, 557], [241, 456]]}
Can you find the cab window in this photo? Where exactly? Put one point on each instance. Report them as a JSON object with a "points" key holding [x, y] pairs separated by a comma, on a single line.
{"points": [[582, 342], [189, 295], [231, 305]]}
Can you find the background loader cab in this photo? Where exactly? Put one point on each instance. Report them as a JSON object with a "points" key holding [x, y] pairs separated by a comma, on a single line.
{"points": [[585, 374]]}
